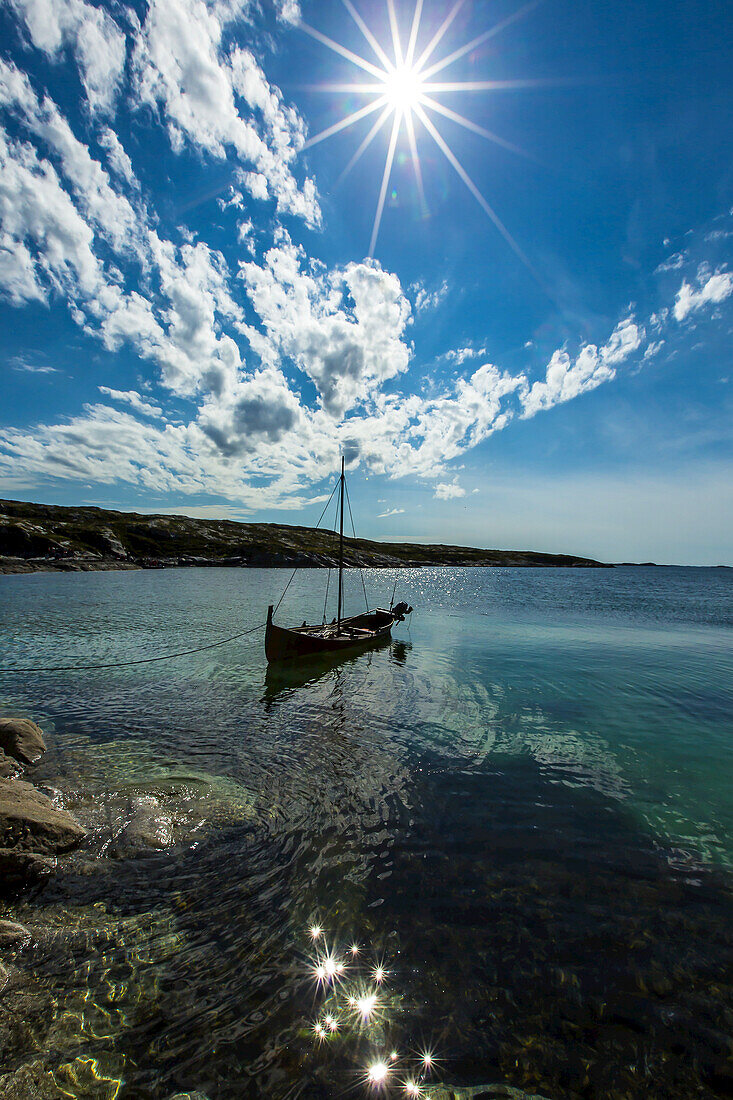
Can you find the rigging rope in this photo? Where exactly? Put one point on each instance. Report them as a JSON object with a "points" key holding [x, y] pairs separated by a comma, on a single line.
{"points": [[353, 529], [138, 661], [292, 575], [333, 550]]}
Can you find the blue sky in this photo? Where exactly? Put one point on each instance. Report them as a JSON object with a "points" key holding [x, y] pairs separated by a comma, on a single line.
{"points": [[527, 346]]}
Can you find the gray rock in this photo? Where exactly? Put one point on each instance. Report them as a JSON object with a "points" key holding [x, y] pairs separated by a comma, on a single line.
{"points": [[30, 822], [148, 828], [20, 867], [13, 935], [8, 766], [21, 739]]}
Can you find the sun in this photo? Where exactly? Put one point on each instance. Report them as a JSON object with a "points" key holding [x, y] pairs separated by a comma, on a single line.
{"points": [[402, 88]]}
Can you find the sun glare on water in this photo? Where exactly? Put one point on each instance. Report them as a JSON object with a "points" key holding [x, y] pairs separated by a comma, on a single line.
{"points": [[402, 88]]}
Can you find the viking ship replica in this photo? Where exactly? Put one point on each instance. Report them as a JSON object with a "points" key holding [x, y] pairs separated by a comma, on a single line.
{"points": [[340, 635]]}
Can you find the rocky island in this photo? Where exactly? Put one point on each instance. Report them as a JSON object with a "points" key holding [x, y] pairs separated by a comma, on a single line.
{"points": [[44, 537]]}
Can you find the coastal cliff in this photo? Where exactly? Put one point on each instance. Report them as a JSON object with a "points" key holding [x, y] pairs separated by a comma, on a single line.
{"points": [[43, 537]]}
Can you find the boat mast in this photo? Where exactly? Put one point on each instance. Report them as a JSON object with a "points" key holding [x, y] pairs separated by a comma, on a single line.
{"points": [[341, 549]]}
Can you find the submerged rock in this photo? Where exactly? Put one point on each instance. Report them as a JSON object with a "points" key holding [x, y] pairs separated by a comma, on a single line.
{"points": [[481, 1092], [21, 739], [18, 867], [29, 821], [148, 827], [13, 935], [32, 1081]]}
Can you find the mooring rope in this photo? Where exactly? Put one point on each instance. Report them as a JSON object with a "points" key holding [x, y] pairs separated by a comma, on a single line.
{"points": [[138, 661]]}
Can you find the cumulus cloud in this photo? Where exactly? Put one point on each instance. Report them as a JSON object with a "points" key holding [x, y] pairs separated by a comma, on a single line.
{"points": [[91, 34], [279, 365], [110, 214], [255, 410], [343, 328], [449, 490], [119, 161], [183, 69], [34, 207], [710, 291], [567, 377]]}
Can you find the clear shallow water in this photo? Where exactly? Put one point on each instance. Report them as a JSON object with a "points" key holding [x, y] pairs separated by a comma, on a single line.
{"points": [[523, 805]]}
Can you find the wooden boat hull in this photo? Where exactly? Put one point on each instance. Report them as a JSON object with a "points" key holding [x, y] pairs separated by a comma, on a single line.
{"points": [[356, 633]]}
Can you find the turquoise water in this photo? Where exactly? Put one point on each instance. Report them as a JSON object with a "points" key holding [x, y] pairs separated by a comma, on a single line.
{"points": [[522, 806]]}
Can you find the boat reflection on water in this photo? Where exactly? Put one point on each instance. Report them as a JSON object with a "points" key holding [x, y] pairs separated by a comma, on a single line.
{"points": [[287, 676], [399, 651]]}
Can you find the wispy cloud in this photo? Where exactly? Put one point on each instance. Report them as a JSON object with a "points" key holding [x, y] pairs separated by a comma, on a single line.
{"points": [[429, 299], [131, 397], [31, 366], [391, 512]]}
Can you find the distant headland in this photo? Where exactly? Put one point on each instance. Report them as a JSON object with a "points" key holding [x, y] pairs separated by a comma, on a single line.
{"points": [[50, 538]]}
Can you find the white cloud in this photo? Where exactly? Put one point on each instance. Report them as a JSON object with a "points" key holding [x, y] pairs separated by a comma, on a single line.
{"points": [[566, 378], [710, 291], [673, 263], [182, 68], [460, 355], [110, 213], [131, 397], [288, 11], [344, 329], [653, 348], [22, 363], [449, 490], [17, 268], [34, 207], [255, 410], [429, 299], [391, 512], [119, 161], [74, 225], [91, 33]]}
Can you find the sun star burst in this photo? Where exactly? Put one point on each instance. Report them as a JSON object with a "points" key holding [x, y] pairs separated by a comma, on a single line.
{"points": [[402, 88]]}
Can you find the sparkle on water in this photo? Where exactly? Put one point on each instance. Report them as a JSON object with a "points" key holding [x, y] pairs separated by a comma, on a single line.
{"points": [[402, 89], [378, 1072], [369, 1018], [520, 812]]}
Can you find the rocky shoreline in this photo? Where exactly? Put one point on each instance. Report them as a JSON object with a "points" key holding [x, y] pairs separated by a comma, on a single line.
{"points": [[49, 538], [34, 833]]}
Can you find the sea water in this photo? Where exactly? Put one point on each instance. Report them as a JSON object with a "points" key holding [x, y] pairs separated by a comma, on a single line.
{"points": [[520, 810]]}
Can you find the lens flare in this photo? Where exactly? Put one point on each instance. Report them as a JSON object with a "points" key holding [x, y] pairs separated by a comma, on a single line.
{"points": [[377, 1073], [366, 1005], [402, 87]]}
